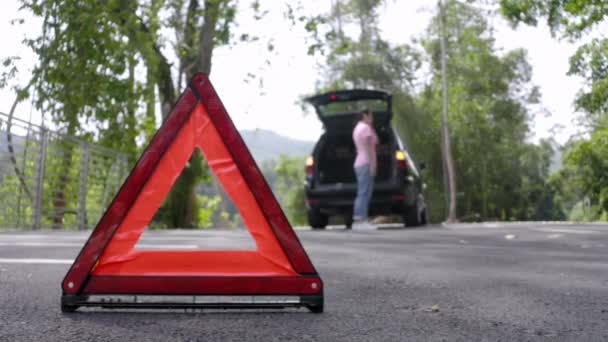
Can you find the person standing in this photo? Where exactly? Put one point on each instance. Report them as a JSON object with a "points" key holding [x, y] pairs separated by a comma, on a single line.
{"points": [[365, 140]]}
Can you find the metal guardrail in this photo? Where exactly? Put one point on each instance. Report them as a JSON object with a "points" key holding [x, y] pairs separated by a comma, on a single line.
{"points": [[52, 180]]}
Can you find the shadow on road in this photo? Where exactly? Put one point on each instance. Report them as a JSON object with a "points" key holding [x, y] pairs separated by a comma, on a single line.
{"points": [[399, 226], [95, 314]]}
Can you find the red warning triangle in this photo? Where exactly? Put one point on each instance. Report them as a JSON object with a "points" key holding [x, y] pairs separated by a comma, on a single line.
{"points": [[109, 264]]}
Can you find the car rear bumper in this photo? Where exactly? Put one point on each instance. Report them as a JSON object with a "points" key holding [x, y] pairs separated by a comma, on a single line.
{"points": [[389, 201]]}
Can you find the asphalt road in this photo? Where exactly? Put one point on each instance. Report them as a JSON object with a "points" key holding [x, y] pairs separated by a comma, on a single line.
{"points": [[486, 282]]}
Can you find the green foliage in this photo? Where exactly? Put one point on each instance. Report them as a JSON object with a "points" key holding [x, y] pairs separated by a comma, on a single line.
{"points": [[9, 70], [418, 122], [585, 173], [582, 212], [571, 18], [208, 206], [500, 174], [84, 71], [61, 186], [181, 209], [582, 177], [289, 188], [88, 81], [84, 79], [369, 60], [590, 62], [90, 54]]}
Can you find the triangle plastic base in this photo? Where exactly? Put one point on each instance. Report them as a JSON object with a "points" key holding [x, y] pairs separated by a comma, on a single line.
{"points": [[110, 272]]}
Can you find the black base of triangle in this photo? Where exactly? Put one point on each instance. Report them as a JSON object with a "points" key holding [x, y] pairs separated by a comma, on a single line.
{"points": [[70, 303]]}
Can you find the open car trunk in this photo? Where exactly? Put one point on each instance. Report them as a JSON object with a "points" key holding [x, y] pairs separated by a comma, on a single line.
{"points": [[335, 109], [336, 157]]}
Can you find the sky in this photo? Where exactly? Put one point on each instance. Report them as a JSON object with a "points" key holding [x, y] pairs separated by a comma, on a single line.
{"points": [[288, 73]]}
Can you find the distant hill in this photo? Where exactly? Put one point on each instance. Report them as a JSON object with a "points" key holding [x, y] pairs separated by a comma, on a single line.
{"points": [[266, 145], [263, 144]]}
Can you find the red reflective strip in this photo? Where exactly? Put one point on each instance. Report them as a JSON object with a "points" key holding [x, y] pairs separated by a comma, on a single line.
{"points": [[141, 285], [253, 176], [127, 194], [196, 132], [191, 263], [129, 262], [398, 197]]}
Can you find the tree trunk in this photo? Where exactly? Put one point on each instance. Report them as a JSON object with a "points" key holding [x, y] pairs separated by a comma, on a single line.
{"points": [[150, 121], [59, 197], [198, 59], [130, 121], [126, 11], [449, 162], [166, 90], [200, 62], [206, 42]]}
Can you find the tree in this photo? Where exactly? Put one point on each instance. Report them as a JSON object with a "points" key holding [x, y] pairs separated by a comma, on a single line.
{"points": [[489, 97], [101, 61], [502, 175], [582, 176], [85, 75], [446, 149], [568, 18], [571, 20], [589, 63], [366, 61], [289, 188], [538, 194]]}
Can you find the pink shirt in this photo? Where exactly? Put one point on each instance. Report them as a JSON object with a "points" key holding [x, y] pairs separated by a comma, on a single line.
{"points": [[363, 134]]}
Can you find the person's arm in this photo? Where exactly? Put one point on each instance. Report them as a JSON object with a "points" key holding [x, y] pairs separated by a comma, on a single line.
{"points": [[373, 161]]}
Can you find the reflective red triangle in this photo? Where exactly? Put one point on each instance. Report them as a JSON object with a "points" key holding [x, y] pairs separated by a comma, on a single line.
{"points": [[108, 262]]}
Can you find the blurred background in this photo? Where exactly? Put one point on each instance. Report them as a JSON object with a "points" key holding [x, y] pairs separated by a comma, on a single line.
{"points": [[85, 85]]}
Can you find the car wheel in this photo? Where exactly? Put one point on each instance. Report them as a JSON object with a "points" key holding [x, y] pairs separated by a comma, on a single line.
{"points": [[348, 221], [316, 220], [68, 308], [423, 218], [316, 308], [412, 216]]}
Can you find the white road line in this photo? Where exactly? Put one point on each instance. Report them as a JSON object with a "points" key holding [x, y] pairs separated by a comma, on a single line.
{"points": [[37, 261], [193, 237], [138, 246], [41, 244], [67, 244], [6, 238], [169, 238], [197, 232], [567, 231], [206, 235], [38, 237]]}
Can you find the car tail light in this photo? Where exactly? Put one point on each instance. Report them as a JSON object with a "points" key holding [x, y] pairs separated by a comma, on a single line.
{"points": [[399, 197], [310, 163], [401, 161]]}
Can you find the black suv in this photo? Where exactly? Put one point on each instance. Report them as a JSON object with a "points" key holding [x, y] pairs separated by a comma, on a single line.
{"points": [[331, 184]]}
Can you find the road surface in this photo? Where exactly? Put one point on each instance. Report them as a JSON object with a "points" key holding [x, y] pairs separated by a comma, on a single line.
{"points": [[478, 282]]}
